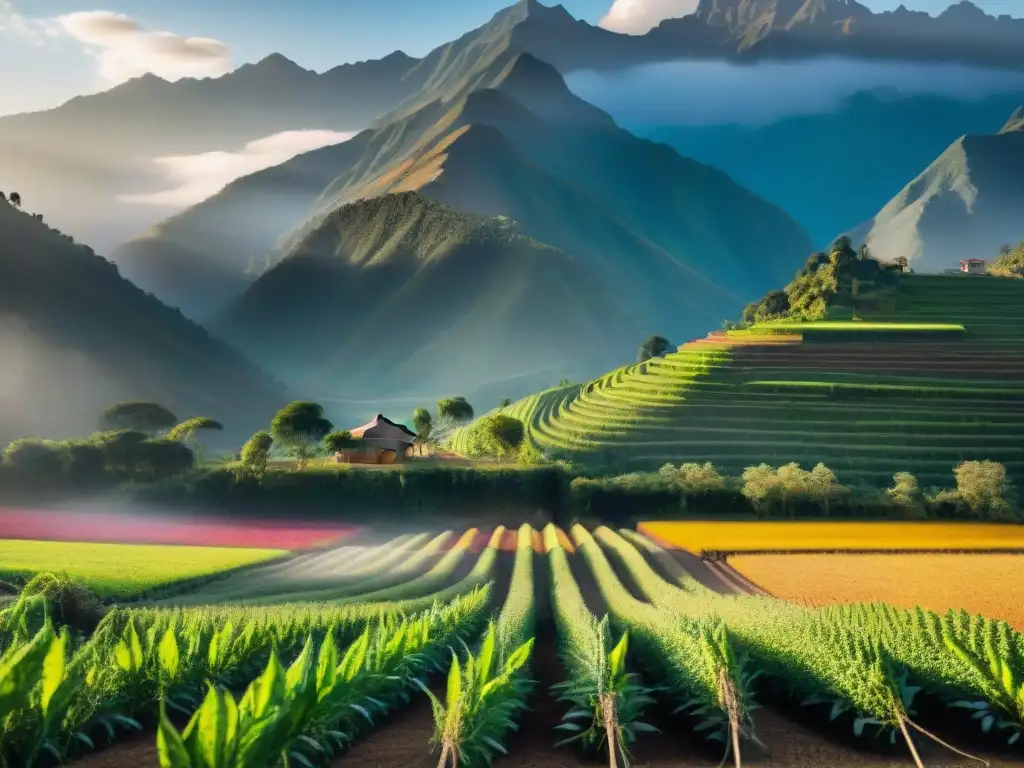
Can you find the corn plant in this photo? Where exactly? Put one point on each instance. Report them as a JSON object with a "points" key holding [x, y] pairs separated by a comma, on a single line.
{"points": [[992, 652], [293, 716], [821, 658], [482, 701], [488, 689], [694, 654], [607, 702], [36, 687]]}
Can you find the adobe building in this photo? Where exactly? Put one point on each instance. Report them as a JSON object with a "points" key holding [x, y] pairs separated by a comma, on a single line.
{"points": [[382, 441]]}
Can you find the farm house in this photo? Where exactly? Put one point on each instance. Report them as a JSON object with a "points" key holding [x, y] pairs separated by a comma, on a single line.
{"points": [[382, 442], [973, 266]]}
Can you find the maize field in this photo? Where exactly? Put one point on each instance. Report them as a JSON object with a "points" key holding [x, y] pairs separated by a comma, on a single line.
{"points": [[524, 647]]}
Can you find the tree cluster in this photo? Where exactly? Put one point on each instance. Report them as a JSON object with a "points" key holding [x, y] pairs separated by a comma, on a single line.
{"points": [[983, 491], [137, 441], [826, 280]]}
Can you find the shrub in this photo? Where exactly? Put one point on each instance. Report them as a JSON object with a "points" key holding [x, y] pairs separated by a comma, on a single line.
{"points": [[84, 463], [161, 459], [253, 460], [70, 603], [31, 456], [337, 442], [497, 435]]}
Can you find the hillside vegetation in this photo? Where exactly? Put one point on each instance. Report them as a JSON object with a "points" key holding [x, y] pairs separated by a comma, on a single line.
{"points": [[76, 336], [929, 377], [401, 291]]}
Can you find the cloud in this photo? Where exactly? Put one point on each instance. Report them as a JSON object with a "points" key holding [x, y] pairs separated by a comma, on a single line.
{"points": [[123, 48], [635, 17], [197, 177], [14, 23]]}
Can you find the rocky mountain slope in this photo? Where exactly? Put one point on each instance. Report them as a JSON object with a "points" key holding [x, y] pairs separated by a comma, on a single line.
{"points": [[966, 204]]}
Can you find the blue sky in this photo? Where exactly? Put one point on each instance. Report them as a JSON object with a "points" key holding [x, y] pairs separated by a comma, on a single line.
{"points": [[48, 54]]}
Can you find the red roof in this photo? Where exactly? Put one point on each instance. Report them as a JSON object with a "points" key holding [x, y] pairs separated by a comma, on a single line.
{"points": [[385, 427]]}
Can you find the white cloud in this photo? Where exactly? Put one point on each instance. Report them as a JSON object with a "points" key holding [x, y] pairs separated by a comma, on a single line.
{"points": [[635, 17], [14, 23], [124, 49], [197, 177]]}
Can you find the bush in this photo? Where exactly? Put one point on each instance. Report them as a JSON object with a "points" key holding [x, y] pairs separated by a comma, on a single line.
{"points": [[253, 460], [32, 456], [496, 435], [70, 603]]}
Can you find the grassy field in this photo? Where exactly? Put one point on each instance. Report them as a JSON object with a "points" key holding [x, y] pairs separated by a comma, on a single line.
{"points": [[121, 570], [728, 536], [867, 398], [985, 584], [360, 626]]}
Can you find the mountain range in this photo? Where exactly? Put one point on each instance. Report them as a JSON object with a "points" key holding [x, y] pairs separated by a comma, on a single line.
{"points": [[75, 336], [81, 184], [484, 232], [966, 204], [863, 152], [648, 233]]}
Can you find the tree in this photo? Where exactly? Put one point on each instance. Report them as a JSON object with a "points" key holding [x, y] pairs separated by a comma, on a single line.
{"points": [[150, 418], [906, 495], [505, 402], [185, 432], [654, 346], [700, 478], [339, 442], [300, 426], [985, 489], [821, 485], [864, 253], [253, 460], [1005, 250], [15, 199], [455, 410], [423, 422]]}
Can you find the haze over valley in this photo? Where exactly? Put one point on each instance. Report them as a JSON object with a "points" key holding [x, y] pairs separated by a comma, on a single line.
{"points": [[656, 182]]}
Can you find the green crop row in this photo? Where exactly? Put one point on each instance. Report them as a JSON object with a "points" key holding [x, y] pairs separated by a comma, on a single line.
{"points": [[308, 713], [872, 667], [606, 700], [487, 689], [695, 655], [59, 695]]}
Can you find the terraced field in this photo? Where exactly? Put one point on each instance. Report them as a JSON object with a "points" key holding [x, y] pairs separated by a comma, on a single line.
{"points": [[520, 639], [934, 375]]}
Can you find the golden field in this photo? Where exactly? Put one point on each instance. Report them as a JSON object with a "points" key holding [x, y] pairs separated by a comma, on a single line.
{"points": [[987, 584], [785, 536]]}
